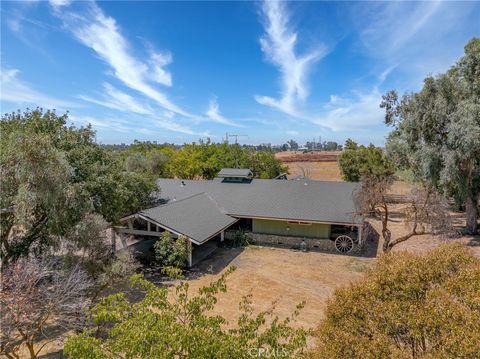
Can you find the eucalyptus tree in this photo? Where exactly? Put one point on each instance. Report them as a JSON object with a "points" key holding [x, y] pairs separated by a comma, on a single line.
{"points": [[436, 131], [52, 176]]}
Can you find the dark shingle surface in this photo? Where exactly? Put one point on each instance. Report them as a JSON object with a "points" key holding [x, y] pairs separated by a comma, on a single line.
{"points": [[330, 202], [198, 217]]}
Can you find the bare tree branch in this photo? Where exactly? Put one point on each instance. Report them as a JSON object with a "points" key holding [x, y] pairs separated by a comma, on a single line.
{"points": [[34, 295]]}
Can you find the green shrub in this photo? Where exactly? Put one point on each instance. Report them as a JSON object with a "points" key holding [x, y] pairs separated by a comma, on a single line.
{"points": [[171, 252], [357, 161], [240, 239], [407, 307], [183, 326]]}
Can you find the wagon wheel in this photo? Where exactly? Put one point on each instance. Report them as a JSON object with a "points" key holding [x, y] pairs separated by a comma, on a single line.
{"points": [[344, 244]]}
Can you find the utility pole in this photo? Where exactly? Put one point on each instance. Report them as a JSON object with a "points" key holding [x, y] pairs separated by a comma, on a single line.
{"points": [[236, 137]]}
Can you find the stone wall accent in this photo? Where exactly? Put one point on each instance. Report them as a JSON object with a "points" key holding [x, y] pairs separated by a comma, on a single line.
{"points": [[313, 244], [293, 242]]}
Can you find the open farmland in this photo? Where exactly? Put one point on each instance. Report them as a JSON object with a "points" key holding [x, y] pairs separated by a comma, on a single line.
{"points": [[314, 165]]}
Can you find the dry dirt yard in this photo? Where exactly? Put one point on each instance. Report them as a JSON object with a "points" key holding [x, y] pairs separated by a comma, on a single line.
{"points": [[281, 278]]}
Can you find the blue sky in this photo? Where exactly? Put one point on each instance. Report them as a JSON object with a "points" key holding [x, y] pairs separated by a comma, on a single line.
{"points": [[180, 71]]}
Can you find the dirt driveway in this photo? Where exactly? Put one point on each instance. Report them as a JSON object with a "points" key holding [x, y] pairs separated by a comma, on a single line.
{"points": [[281, 276]]}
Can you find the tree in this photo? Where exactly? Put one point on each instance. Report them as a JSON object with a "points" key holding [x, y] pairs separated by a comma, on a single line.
{"points": [[293, 145], [53, 175], [181, 326], [136, 162], [437, 131], [37, 297], [171, 252], [357, 161], [425, 212], [407, 307], [37, 199], [205, 160]]}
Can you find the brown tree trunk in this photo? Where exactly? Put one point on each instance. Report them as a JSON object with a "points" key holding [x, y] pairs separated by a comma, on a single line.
{"points": [[31, 350], [113, 240], [472, 214]]}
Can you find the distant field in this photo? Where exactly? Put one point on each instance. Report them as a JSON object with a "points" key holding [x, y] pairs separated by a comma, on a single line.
{"points": [[323, 166], [314, 165], [317, 156]]}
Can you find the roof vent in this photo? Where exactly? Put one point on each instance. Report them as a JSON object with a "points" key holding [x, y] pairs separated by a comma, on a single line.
{"points": [[235, 174]]}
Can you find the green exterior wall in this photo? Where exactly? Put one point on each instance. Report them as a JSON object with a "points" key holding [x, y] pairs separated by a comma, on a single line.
{"points": [[314, 230]]}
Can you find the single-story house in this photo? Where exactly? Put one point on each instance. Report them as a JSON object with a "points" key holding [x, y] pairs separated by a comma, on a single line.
{"points": [[298, 213]]}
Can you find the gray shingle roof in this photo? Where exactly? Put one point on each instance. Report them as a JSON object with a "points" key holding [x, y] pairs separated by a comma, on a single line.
{"points": [[329, 202], [198, 217], [235, 172]]}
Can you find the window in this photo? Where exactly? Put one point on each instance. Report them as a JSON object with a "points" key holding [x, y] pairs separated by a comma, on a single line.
{"points": [[300, 223]]}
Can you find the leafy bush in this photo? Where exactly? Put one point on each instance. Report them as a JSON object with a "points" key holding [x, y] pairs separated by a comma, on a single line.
{"points": [[357, 161], [171, 252], [240, 239], [407, 307], [182, 326]]}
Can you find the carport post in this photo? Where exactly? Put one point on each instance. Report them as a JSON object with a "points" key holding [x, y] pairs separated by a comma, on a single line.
{"points": [[360, 234], [222, 236], [189, 249]]}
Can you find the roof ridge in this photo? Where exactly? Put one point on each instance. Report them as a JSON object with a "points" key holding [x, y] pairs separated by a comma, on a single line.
{"points": [[220, 208]]}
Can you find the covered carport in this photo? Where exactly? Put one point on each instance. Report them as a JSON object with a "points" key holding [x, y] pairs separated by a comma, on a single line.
{"points": [[197, 217]]}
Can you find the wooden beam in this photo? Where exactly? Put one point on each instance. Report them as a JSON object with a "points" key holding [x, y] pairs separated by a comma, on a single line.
{"points": [[360, 234], [138, 232], [189, 249], [346, 224]]}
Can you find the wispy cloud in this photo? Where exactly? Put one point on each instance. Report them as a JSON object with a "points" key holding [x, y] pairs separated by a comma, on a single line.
{"points": [[413, 36], [168, 124], [214, 114], [129, 124], [115, 125], [383, 34], [15, 90], [101, 33], [278, 45], [118, 100], [59, 3], [358, 111]]}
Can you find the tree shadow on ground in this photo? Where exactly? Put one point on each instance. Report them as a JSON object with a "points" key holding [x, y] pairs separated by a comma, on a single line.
{"points": [[372, 239], [474, 241], [53, 355], [214, 263]]}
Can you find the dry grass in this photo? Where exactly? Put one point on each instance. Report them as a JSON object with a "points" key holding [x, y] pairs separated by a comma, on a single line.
{"points": [[321, 171], [313, 156], [322, 166], [281, 278]]}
